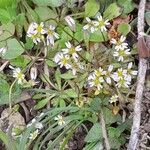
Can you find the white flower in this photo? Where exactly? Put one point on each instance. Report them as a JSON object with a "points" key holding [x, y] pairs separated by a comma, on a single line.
{"points": [[18, 75], [71, 22], [51, 35], [121, 53], [108, 74], [33, 73], [60, 120], [130, 72], [35, 32], [90, 26], [62, 60], [99, 72], [101, 23], [120, 44], [37, 38], [114, 99], [123, 83], [2, 51], [120, 74], [34, 134], [95, 81], [35, 28], [71, 50]]}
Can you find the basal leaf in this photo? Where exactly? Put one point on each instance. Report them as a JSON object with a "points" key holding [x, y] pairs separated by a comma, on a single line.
{"points": [[95, 133], [124, 28], [112, 11], [91, 8], [14, 49]]}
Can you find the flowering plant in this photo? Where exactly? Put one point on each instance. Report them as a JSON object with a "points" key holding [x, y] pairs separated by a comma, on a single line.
{"points": [[77, 66]]}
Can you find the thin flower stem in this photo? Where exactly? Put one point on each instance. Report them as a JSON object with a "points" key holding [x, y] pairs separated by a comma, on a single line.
{"points": [[10, 92]]}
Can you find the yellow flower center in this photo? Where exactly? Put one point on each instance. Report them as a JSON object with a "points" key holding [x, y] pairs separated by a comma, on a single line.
{"points": [[64, 61], [20, 75], [121, 53], [39, 28], [120, 74], [71, 51], [50, 32], [98, 73], [101, 23], [96, 81]]}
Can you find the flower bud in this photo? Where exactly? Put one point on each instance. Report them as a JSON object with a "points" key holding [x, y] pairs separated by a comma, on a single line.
{"points": [[71, 22], [33, 73]]}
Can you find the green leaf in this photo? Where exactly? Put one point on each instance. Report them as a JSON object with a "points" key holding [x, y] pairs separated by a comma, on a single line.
{"points": [[29, 43], [20, 19], [50, 63], [6, 3], [71, 93], [88, 56], [62, 103], [79, 32], [67, 34], [95, 133], [112, 11], [96, 104], [14, 49], [124, 28], [7, 31], [4, 138], [127, 5], [58, 78], [4, 86], [91, 8], [41, 103], [109, 117], [113, 132], [68, 75], [8, 14], [147, 17], [98, 36], [52, 3], [45, 13], [20, 61]]}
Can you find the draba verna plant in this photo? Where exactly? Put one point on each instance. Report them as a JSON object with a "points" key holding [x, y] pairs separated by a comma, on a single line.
{"points": [[75, 62]]}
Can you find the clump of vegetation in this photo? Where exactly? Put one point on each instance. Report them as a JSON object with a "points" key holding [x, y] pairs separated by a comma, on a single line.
{"points": [[76, 61]]}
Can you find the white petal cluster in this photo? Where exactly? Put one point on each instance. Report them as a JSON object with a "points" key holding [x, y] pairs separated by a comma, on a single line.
{"points": [[114, 99], [60, 120], [96, 79], [122, 77], [17, 73], [37, 31], [69, 58], [98, 24], [121, 48]]}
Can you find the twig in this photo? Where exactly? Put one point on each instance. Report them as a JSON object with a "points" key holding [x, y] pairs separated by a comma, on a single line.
{"points": [[104, 132], [134, 137]]}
